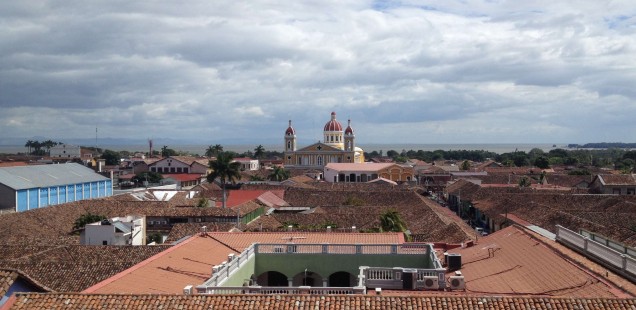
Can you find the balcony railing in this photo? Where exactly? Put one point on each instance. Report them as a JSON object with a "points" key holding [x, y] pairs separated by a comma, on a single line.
{"points": [[278, 290], [221, 273], [621, 263]]}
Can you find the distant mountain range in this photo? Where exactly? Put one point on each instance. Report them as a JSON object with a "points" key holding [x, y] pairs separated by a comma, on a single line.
{"points": [[157, 142]]}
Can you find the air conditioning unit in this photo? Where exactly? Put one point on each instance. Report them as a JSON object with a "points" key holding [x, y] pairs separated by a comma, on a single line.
{"points": [[431, 283], [188, 290], [457, 283]]}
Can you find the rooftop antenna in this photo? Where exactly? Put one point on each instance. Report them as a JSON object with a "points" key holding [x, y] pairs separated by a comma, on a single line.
{"points": [[95, 139]]}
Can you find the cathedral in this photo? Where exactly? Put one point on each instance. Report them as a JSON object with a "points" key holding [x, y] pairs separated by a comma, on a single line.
{"points": [[338, 146]]}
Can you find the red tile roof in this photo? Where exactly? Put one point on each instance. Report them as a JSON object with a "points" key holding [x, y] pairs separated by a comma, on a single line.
{"points": [[361, 302], [512, 262], [183, 177], [186, 263]]}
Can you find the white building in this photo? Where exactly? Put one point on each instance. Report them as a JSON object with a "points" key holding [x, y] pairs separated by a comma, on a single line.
{"points": [[365, 172], [247, 164], [130, 230], [66, 151], [180, 164]]}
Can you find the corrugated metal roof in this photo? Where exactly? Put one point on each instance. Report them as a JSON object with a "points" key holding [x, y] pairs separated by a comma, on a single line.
{"points": [[47, 175]]}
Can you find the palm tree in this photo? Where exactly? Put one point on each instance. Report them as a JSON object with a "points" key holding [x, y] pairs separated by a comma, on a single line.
{"points": [[29, 144], [209, 152], [391, 221], [48, 144], [279, 174], [224, 169], [218, 149], [259, 151]]}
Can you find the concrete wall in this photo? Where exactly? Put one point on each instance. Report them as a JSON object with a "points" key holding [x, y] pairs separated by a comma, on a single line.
{"points": [[326, 264], [242, 274], [7, 198], [97, 234]]}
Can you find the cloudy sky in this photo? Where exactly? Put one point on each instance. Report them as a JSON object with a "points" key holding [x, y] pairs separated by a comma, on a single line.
{"points": [[467, 71]]}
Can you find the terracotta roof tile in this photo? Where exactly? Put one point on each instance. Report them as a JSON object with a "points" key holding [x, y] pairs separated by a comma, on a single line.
{"points": [[512, 262], [74, 268], [188, 263], [618, 179], [362, 302], [7, 277]]}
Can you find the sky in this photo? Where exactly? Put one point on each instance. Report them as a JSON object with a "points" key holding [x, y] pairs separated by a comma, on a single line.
{"points": [[467, 71]]}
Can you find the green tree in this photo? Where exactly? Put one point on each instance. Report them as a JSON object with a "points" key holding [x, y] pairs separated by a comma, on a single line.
{"points": [[156, 238], [225, 170], [542, 162], [465, 165], [259, 151], [256, 178], [392, 153], [87, 218], [524, 182], [279, 174], [218, 149], [166, 152], [150, 176], [29, 144], [209, 152], [112, 158], [203, 202], [391, 221], [48, 144]]}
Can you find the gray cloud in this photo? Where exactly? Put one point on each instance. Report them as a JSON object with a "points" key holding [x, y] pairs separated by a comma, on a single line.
{"points": [[422, 72]]}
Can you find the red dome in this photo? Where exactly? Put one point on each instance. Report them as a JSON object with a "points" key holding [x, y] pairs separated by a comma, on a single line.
{"points": [[290, 130], [349, 130], [333, 124]]}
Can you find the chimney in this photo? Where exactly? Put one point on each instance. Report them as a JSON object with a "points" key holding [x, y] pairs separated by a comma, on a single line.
{"points": [[328, 229], [290, 227]]}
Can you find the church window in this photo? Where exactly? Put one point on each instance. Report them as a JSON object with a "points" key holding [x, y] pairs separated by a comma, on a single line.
{"points": [[319, 160], [288, 145], [331, 138]]}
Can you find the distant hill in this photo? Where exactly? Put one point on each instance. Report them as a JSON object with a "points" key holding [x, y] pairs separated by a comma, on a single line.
{"points": [[604, 145]]}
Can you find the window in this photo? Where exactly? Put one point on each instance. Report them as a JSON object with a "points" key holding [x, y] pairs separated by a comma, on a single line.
{"points": [[104, 242], [319, 160]]}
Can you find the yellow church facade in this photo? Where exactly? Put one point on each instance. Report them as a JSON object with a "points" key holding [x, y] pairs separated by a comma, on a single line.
{"points": [[338, 146]]}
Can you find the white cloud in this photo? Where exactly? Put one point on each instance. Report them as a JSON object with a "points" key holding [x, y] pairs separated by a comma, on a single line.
{"points": [[420, 72]]}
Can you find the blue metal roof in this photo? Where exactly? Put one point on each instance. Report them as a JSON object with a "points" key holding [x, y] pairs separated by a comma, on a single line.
{"points": [[25, 177]]}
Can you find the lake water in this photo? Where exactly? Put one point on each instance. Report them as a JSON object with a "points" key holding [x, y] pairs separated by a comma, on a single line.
{"points": [[200, 149]]}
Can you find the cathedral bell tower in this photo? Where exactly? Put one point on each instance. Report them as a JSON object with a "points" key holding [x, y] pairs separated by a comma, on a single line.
{"points": [[349, 139], [290, 138]]}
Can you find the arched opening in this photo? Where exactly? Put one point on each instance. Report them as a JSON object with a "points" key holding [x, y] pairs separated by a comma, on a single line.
{"points": [[342, 279], [307, 278], [272, 278]]}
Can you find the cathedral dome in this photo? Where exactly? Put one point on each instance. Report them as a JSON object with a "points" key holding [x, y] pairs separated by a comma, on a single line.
{"points": [[333, 124]]}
